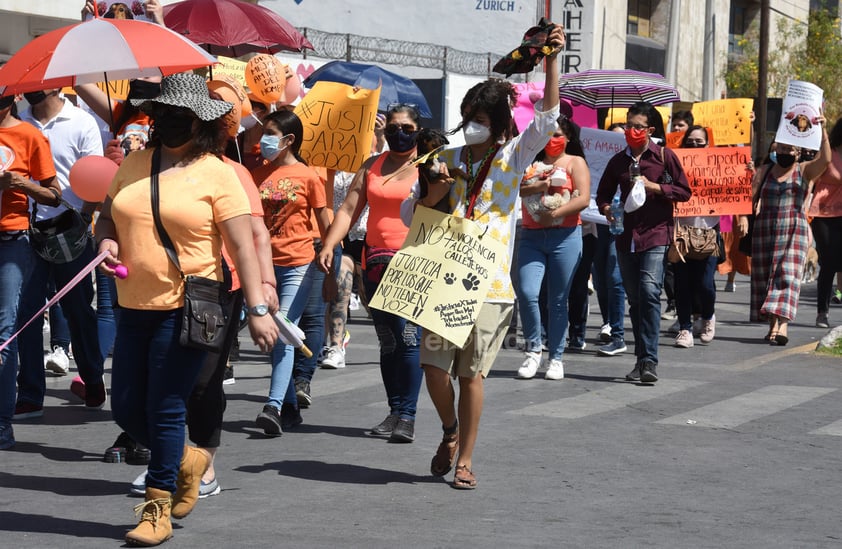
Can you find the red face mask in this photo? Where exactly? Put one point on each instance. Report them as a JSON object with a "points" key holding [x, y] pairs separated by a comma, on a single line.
{"points": [[636, 138], [556, 146]]}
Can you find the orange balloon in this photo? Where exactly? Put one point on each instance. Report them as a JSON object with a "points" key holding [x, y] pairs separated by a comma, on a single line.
{"points": [[91, 176], [293, 87], [266, 77], [231, 119], [237, 86]]}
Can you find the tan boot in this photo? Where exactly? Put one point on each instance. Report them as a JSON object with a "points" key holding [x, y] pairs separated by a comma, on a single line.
{"points": [[154, 527], [194, 463]]}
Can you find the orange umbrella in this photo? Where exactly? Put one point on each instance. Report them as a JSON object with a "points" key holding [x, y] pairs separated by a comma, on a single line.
{"points": [[98, 50]]}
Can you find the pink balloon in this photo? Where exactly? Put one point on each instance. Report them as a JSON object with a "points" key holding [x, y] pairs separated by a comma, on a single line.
{"points": [[91, 176], [121, 271]]}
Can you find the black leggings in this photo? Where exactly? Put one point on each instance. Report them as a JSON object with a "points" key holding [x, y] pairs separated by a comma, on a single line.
{"points": [[207, 402], [827, 232]]}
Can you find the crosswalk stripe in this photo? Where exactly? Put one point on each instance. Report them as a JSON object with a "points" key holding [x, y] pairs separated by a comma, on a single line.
{"points": [[834, 429], [605, 399], [735, 411]]}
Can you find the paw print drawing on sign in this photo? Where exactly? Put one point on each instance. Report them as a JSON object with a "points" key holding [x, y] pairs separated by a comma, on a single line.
{"points": [[449, 278], [470, 282]]}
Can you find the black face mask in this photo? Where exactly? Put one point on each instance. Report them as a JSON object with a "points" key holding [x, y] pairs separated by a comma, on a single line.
{"points": [[785, 160], [142, 89], [6, 102], [33, 98], [173, 129], [401, 142]]}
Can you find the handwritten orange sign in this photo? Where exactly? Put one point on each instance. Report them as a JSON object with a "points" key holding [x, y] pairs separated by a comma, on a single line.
{"points": [[719, 179], [338, 125]]}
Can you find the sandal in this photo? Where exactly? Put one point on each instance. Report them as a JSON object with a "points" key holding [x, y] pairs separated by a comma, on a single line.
{"points": [[442, 462], [464, 478], [780, 339]]}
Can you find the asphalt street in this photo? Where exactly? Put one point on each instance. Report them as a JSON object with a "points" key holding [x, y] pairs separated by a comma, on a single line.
{"points": [[738, 445]]}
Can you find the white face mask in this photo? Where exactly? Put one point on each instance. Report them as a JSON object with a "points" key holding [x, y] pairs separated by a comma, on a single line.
{"points": [[475, 133]]}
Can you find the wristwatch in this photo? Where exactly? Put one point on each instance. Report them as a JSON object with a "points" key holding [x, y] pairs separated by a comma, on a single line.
{"points": [[259, 310]]}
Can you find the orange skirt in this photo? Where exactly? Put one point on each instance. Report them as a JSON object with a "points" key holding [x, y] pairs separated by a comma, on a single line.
{"points": [[735, 260]]}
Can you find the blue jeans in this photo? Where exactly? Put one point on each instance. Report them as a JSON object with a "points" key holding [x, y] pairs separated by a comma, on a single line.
{"points": [[555, 251], [107, 312], [14, 268], [293, 290], [152, 378], [608, 283], [59, 331], [643, 277], [312, 323], [81, 320], [400, 358], [694, 284], [577, 303]]}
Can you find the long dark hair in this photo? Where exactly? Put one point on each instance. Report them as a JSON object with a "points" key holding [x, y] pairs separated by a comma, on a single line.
{"points": [[495, 97], [288, 123]]}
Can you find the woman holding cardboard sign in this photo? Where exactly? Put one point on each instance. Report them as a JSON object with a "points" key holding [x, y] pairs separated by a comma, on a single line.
{"points": [[781, 235], [382, 183]]}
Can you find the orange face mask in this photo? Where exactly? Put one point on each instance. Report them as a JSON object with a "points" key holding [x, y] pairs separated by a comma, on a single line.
{"points": [[635, 137], [556, 146]]}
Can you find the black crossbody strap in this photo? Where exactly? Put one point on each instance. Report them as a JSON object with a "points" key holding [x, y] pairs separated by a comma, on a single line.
{"points": [[156, 213]]}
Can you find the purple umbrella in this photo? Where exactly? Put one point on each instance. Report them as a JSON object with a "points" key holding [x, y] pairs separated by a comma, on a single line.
{"points": [[598, 88]]}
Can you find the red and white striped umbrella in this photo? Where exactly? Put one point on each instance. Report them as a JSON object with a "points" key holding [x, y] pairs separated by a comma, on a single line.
{"points": [[599, 88], [98, 50]]}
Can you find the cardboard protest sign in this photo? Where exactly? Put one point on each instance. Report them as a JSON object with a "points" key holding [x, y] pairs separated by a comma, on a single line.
{"points": [[117, 89], [441, 275], [231, 68], [802, 104], [338, 125], [730, 120], [599, 147], [720, 182]]}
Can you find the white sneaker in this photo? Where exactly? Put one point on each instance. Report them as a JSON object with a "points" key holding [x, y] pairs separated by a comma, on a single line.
{"points": [[139, 485], [530, 365], [334, 358], [605, 333], [57, 361], [684, 339], [708, 330], [555, 370]]}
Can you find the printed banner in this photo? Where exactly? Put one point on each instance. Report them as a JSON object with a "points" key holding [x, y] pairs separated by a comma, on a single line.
{"points": [[338, 125], [441, 275], [802, 104], [730, 120], [719, 179]]}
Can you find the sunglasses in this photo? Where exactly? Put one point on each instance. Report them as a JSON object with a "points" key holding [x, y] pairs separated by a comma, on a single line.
{"points": [[392, 129]]}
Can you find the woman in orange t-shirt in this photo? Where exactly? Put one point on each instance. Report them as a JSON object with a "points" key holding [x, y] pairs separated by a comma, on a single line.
{"points": [[289, 190], [24, 156], [383, 183]]}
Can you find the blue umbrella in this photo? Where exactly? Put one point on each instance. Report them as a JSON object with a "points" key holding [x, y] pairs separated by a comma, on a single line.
{"points": [[393, 87]]}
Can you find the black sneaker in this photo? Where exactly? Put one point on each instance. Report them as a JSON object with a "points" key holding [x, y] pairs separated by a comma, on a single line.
{"points": [[634, 375], [126, 450], [404, 431], [302, 393], [290, 416], [648, 372], [228, 376], [616, 347], [385, 428], [269, 420]]}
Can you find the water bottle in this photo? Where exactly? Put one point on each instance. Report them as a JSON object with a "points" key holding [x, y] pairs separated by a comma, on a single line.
{"points": [[616, 226], [634, 172]]}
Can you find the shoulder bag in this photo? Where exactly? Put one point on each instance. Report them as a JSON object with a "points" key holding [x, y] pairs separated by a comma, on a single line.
{"points": [[59, 239], [205, 300], [689, 242]]}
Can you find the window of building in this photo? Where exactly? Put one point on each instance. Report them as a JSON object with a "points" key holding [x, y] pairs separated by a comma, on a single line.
{"points": [[737, 26], [640, 15]]}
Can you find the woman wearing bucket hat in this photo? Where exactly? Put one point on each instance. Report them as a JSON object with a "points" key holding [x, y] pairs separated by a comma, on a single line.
{"points": [[202, 205]]}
